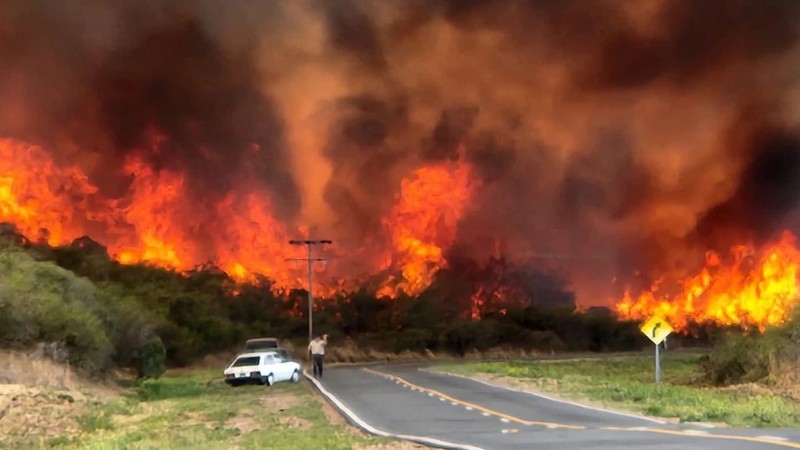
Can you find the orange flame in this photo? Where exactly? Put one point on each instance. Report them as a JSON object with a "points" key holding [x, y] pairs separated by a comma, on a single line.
{"points": [[423, 224], [755, 289], [158, 223], [161, 222]]}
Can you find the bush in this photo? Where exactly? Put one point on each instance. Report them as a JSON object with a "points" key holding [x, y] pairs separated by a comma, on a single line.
{"points": [[149, 358], [41, 302], [738, 358]]}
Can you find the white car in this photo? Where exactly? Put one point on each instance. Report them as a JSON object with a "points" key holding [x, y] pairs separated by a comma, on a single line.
{"points": [[265, 367]]}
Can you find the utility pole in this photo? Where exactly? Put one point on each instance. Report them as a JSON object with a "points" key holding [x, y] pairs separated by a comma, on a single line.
{"points": [[310, 243]]}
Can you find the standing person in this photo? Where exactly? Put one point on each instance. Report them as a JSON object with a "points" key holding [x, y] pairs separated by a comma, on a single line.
{"points": [[316, 348]]}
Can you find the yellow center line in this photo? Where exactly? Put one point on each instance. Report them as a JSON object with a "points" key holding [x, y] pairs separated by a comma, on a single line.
{"points": [[690, 433], [508, 417]]}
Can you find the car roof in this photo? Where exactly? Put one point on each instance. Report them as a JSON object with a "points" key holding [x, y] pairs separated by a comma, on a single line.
{"points": [[252, 354], [267, 339]]}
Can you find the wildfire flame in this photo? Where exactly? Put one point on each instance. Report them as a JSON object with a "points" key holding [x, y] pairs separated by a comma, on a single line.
{"points": [[423, 224], [159, 222], [751, 288]]}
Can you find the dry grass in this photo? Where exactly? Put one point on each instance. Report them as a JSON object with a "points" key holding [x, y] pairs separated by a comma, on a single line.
{"points": [[190, 410], [785, 372]]}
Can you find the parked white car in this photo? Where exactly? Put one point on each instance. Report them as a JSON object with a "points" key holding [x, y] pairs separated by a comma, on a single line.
{"points": [[263, 368]]}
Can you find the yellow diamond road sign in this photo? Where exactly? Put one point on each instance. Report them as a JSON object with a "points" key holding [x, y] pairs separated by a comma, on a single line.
{"points": [[656, 329]]}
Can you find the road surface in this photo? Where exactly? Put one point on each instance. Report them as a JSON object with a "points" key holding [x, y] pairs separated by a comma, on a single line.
{"points": [[406, 401]]}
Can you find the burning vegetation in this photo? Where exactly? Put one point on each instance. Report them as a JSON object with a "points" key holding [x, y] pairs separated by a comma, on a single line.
{"points": [[750, 288], [654, 143]]}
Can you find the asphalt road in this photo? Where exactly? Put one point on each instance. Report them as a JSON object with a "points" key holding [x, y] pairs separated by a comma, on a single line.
{"points": [[405, 401]]}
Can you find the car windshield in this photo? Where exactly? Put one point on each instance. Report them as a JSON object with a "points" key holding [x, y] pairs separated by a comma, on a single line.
{"points": [[246, 361]]}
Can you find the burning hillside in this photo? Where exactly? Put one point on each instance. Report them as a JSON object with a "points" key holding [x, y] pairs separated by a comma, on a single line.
{"points": [[632, 138]]}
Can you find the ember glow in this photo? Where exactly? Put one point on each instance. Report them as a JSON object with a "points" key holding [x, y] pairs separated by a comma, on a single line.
{"points": [[748, 288]]}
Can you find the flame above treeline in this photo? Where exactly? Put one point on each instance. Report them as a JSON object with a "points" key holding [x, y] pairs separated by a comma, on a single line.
{"points": [[158, 223], [631, 138], [749, 288]]}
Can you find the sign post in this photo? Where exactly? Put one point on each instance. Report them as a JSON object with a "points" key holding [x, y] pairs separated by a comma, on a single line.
{"points": [[657, 329]]}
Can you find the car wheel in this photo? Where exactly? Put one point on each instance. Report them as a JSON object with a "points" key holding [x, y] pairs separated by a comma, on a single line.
{"points": [[270, 380], [295, 377]]}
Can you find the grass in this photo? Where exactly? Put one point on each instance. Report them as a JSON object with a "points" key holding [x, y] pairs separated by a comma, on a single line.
{"points": [[197, 410], [627, 383]]}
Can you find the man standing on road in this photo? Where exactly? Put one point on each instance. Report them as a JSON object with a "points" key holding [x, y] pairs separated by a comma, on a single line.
{"points": [[316, 349]]}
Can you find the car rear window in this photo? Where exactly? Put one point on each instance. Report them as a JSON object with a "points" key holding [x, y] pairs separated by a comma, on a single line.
{"points": [[246, 361]]}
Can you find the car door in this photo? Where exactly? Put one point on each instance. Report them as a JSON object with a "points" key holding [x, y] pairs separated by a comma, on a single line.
{"points": [[287, 368], [277, 368]]}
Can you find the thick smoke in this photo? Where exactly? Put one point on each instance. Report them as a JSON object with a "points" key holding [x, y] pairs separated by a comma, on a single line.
{"points": [[164, 88], [768, 190], [620, 135]]}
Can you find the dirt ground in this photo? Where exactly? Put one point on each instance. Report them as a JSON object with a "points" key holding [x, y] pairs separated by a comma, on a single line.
{"points": [[41, 400]]}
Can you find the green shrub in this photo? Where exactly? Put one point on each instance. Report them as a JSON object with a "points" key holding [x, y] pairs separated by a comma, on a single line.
{"points": [[740, 358], [149, 358], [41, 302], [44, 303]]}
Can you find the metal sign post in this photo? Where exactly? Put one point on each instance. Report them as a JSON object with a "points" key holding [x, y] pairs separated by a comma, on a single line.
{"points": [[657, 329], [658, 364]]}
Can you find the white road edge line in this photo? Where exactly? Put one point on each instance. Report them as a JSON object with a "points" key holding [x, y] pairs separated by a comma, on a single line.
{"points": [[370, 429], [774, 438], [552, 399]]}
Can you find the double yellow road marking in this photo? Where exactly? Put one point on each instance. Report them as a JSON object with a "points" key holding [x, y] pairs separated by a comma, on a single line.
{"points": [[509, 418], [474, 406]]}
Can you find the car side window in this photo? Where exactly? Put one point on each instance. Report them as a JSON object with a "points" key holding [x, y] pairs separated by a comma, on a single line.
{"points": [[269, 359]]}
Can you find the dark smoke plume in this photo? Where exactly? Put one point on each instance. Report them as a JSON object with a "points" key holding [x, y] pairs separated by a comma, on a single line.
{"points": [[167, 80], [768, 190], [601, 130]]}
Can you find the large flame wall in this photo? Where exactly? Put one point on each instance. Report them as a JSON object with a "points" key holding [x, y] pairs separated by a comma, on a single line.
{"points": [[626, 138]]}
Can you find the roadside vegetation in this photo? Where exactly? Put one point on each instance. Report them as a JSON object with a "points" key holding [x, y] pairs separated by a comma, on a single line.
{"points": [[195, 409], [627, 383], [97, 314]]}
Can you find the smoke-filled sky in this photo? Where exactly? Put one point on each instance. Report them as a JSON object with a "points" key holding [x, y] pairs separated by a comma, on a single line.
{"points": [[640, 132]]}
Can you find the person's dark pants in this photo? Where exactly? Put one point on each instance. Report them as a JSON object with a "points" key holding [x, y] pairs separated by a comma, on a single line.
{"points": [[318, 365]]}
